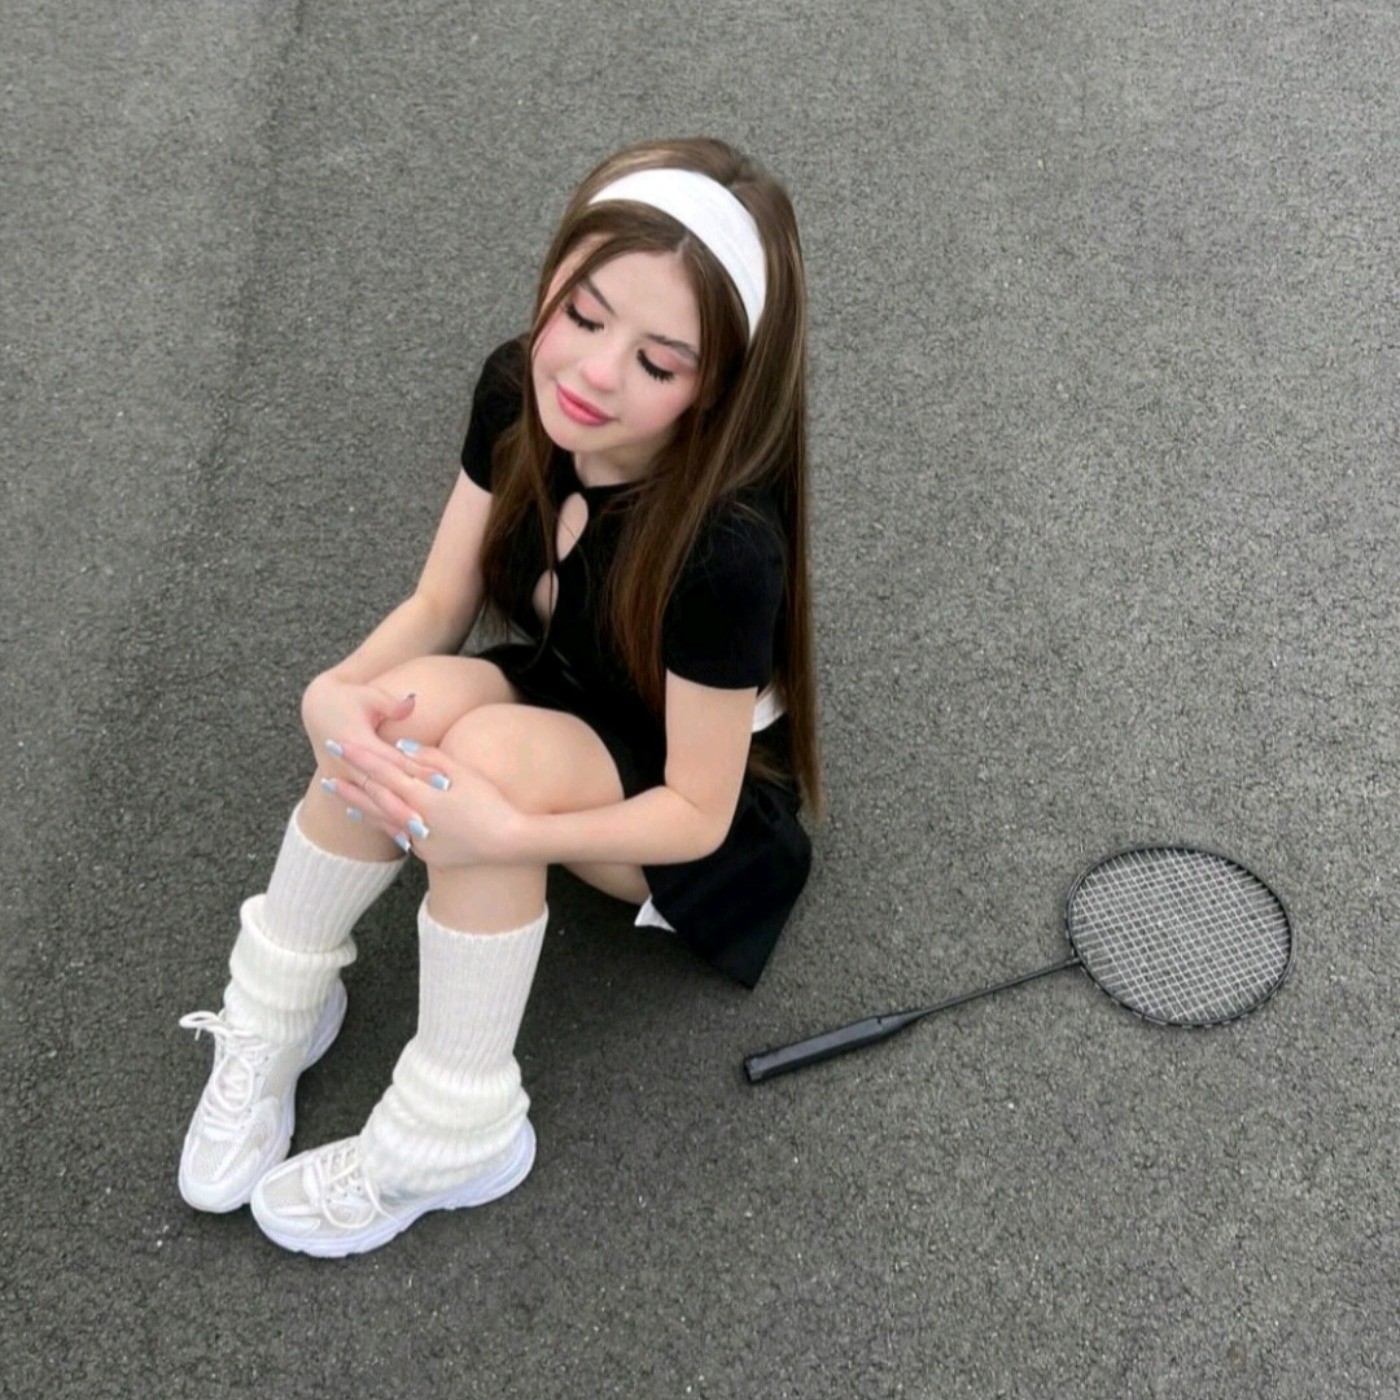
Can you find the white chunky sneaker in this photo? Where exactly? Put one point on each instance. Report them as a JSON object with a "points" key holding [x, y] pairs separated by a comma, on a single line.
{"points": [[243, 1124], [322, 1203]]}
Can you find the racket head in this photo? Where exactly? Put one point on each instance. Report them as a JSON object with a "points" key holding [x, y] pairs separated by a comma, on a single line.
{"points": [[1181, 935]]}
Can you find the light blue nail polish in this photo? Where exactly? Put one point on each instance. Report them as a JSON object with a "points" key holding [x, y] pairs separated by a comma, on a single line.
{"points": [[354, 814], [418, 829], [440, 781], [401, 841], [333, 747], [329, 785], [409, 746]]}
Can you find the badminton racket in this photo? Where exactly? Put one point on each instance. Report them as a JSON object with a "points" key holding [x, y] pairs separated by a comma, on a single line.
{"points": [[1180, 935]]}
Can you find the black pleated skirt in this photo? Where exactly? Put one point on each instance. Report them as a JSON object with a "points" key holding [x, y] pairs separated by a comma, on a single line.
{"points": [[731, 905]]}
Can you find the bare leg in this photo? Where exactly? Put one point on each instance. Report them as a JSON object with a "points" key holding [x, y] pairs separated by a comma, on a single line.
{"points": [[446, 688], [543, 761], [451, 1130]]}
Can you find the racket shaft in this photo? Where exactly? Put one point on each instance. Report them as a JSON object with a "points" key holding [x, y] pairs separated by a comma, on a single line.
{"points": [[827, 1044], [874, 1028]]}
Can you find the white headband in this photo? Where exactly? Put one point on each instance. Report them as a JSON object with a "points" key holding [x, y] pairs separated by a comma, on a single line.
{"points": [[713, 215]]}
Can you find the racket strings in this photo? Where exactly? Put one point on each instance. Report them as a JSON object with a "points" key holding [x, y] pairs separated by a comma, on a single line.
{"points": [[1181, 936]]}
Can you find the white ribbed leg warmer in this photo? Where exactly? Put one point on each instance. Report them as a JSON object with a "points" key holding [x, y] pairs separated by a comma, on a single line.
{"points": [[294, 939], [456, 1100]]}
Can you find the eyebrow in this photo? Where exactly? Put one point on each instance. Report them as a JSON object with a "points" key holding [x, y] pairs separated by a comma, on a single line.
{"points": [[679, 346]]}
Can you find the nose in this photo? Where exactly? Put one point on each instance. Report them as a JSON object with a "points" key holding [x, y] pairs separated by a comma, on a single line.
{"points": [[602, 367]]}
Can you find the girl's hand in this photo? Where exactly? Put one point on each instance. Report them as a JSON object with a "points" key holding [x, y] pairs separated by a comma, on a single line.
{"points": [[334, 711], [445, 813]]}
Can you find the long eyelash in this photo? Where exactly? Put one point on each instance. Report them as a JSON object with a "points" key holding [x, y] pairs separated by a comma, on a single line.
{"points": [[579, 319], [664, 375]]}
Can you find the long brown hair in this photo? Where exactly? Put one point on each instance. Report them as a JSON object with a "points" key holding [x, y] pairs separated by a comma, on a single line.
{"points": [[747, 428]]}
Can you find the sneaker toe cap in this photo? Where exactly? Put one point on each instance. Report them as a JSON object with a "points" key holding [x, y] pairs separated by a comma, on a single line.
{"points": [[218, 1173]]}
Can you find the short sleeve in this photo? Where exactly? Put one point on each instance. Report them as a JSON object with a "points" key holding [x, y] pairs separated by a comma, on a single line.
{"points": [[722, 618], [496, 405]]}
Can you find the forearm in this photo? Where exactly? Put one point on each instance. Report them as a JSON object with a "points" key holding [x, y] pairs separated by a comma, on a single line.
{"points": [[657, 827], [419, 626]]}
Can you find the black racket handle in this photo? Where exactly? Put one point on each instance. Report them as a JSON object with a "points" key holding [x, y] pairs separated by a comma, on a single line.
{"points": [[822, 1047], [874, 1028]]}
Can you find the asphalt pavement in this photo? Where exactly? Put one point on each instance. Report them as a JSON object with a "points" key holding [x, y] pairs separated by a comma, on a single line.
{"points": [[1105, 378]]}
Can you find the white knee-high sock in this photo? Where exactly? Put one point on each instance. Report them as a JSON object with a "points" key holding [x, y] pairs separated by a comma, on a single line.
{"points": [[456, 1100], [293, 940]]}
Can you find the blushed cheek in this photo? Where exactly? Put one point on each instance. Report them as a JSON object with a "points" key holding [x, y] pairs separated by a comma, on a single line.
{"points": [[675, 406], [545, 341]]}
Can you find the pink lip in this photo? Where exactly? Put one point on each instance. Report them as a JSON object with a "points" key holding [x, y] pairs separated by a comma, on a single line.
{"points": [[580, 410]]}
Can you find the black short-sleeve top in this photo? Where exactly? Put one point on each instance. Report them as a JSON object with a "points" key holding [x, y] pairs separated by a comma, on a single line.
{"points": [[721, 622]]}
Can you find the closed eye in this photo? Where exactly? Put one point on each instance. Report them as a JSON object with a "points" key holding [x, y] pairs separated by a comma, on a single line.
{"points": [[663, 375], [579, 319]]}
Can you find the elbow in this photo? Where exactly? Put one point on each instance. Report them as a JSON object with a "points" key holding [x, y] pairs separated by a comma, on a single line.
{"points": [[711, 831], [707, 844], [703, 815]]}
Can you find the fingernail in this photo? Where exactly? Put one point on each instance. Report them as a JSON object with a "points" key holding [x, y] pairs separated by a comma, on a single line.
{"points": [[329, 785], [440, 781], [412, 695], [408, 746], [401, 841], [418, 829], [333, 747], [354, 814]]}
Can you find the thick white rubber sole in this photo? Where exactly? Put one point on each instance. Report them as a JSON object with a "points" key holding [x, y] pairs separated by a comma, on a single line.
{"points": [[219, 1200], [477, 1192]]}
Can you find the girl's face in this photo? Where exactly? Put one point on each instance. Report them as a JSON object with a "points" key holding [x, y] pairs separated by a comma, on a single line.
{"points": [[618, 363]]}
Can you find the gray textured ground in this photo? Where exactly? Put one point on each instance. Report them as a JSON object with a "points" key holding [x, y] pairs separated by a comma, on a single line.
{"points": [[1105, 418]]}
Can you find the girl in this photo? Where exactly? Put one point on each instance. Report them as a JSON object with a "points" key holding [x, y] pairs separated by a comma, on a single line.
{"points": [[633, 508]]}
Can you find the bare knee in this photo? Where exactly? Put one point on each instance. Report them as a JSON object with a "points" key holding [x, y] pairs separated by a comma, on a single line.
{"points": [[490, 740], [444, 689], [543, 761]]}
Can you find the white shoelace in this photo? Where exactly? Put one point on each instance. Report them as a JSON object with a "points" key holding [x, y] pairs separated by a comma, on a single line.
{"points": [[235, 1083], [338, 1190]]}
